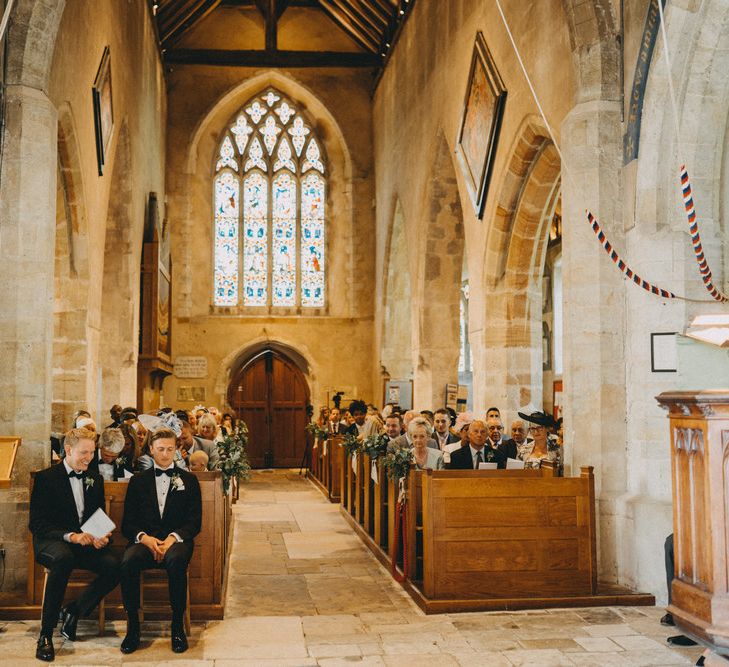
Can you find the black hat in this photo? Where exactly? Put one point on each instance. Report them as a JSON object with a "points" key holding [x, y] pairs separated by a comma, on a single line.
{"points": [[540, 418]]}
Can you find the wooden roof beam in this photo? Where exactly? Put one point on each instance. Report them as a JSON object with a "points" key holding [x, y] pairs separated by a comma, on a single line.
{"points": [[357, 22], [271, 58], [172, 34], [364, 41]]}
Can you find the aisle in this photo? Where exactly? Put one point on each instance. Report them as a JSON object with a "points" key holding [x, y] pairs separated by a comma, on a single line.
{"points": [[303, 590]]}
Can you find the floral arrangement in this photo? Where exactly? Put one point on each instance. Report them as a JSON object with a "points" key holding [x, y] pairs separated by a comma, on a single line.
{"points": [[375, 446], [89, 482], [397, 463], [317, 432], [176, 483], [351, 444], [233, 462]]}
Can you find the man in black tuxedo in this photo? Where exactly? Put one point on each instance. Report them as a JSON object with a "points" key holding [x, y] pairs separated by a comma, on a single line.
{"points": [[496, 441], [64, 497], [162, 516], [334, 425], [468, 458], [109, 460]]}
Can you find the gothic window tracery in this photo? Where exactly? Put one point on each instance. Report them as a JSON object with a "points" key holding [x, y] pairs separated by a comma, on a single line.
{"points": [[270, 209]]}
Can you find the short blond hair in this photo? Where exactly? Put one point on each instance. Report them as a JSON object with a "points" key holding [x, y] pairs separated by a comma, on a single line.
{"points": [[73, 436], [199, 457]]}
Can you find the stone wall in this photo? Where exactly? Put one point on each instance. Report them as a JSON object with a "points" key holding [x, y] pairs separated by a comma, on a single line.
{"points": [[57, 345], [336, 343]]}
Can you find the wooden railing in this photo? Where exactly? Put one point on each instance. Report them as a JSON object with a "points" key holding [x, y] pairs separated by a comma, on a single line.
{"points": [[8, 452]]}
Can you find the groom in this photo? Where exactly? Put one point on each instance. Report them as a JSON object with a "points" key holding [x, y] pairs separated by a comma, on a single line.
{"points": [[162, 515]]}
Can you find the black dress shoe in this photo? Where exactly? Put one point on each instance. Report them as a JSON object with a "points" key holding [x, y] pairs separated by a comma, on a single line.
{"points": [[131, 641], [179, 640], [667, 619], [681, 640], [44, 650], [69, 620]]}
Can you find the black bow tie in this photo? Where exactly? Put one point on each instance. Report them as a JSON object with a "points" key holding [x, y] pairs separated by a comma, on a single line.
{"points": [[159, 472], [77, 475]]}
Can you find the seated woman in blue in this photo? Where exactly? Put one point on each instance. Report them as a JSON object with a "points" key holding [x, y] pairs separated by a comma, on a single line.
{"points": [[424, 457]]}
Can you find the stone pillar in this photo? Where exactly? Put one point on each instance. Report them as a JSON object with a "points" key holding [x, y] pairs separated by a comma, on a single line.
{"points": [[594, 315], [27, 236]]}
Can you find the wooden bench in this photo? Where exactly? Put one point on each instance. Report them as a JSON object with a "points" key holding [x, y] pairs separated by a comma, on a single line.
{"points": [[327, 468], [8, 451], [206, 572]]}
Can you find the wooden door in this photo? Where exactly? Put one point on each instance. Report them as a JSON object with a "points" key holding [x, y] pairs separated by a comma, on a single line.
{"points": [[270, 395]]}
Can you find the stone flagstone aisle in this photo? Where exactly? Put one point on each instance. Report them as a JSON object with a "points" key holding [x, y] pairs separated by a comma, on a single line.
{"points": [[303, 590]]}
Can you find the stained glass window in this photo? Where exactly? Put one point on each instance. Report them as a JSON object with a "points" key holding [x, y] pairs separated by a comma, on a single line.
{"points": [[280, 168]]}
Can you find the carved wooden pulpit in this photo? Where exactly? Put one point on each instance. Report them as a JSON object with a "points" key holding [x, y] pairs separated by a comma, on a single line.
{"points": [[699, 423]]}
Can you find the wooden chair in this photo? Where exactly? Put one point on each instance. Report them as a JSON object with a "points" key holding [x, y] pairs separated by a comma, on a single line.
{"points": [[157, 577], [102, 607]]}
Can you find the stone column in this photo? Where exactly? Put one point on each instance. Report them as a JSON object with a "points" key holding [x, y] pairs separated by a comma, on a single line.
{"points": [[594, 315], [27, 237]]}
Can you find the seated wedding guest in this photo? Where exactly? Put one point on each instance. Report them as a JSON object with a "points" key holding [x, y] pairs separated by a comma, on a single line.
{"points": [[131, 444], [519, 433], [323, 418], [387, 410], [463, 421], [496, 440], [207, 428], [428, 414], [441, 432], [453, 415], [129, 415], [358, 410], [347, 419], [162, 516], [393, 425], [115, 414], [424, 457], [64, 497], [85, 422], [227, 424], [539, 449], [109, 461], [373, 426], [372, 410], [493, 413], [469, 458], [188, 444], [405, 441], [408, 417], [78, 414], [198, 461], [334, 424]]}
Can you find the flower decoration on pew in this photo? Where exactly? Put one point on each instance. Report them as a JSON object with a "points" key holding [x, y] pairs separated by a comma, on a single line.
{"points": [[317, 432], [233, 461], [375, 446], [397, 463], [352, 444]]}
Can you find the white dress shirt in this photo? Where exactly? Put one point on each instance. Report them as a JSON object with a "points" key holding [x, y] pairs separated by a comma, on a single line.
{"points": [[162, 484], [77, 488], [106, 470]]}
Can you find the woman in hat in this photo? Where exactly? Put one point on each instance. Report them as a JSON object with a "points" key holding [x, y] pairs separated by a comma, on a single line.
{"points": [[541, 448]]}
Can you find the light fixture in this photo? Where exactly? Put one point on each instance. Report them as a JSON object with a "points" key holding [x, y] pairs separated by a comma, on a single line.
{"points": [[713, 329]]}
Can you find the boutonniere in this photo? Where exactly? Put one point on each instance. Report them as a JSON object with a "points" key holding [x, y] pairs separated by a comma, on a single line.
{"points": [[177, 483], [89, 482], [120, 460]]}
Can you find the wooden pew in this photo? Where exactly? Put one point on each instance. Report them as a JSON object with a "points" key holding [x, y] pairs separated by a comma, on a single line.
{"points": [[8, 451], [207, 567]]}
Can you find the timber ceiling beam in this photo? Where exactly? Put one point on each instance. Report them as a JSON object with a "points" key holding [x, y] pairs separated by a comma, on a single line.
{"points": [[352, 16], [271, 58], [366, 42], [183, 17]]}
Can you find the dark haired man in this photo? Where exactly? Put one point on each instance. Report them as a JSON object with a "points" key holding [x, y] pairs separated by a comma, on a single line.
{"points": [[162, 516], [441, 432]]}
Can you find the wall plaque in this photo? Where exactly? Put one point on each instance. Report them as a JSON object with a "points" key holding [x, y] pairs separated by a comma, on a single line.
{"points": [[191, 367]]}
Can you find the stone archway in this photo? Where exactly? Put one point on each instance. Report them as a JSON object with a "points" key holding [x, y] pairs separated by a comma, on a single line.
{"points": [[439, 271], [396, 338], [513, 267], [119, 316], [71, 281]]}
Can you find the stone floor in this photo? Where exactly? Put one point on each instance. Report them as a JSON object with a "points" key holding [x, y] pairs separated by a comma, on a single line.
{"points": [[303, 590]]}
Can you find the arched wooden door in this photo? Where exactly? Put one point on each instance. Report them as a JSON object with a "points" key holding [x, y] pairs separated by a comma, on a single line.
{"points": [[270, 394]]}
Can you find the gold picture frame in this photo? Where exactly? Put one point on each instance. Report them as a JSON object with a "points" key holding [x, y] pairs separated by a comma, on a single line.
{"points": [[103, 109], [478, 135]]}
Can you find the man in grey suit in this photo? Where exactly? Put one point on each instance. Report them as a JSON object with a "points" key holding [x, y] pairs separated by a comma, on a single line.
{"points": [[189, 443], [404, 440]]}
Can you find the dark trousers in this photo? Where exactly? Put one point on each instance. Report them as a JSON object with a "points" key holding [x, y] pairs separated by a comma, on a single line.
{"points": [[61, 558], [137, 558], [668, 555]]}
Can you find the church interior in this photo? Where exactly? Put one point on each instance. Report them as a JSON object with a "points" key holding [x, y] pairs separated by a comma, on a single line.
{"points": [[279, 206]]}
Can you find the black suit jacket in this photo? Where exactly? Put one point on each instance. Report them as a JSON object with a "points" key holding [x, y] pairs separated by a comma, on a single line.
{"points": [[182, 513], [118, 469], [508, 448], [53, 509], [449, 440], [461, 459]]}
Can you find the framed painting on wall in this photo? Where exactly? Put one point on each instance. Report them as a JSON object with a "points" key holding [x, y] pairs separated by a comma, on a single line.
{"points": [[103, 109], [478, 135]]}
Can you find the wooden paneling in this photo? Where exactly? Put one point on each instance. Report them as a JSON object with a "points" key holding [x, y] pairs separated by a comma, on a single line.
{"points": [[206, 570], [8, 451]]}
